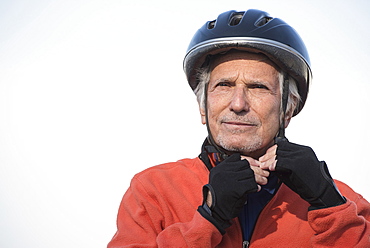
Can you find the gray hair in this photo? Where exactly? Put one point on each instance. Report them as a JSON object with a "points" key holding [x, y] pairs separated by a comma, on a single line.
{"points": [[203, 77]]}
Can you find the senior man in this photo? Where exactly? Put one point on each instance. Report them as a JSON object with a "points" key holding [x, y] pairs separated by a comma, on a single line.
{"points": [[249, 186]]}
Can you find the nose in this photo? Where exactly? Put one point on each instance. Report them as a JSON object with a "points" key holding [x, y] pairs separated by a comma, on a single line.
{"points": [[239, 102]]}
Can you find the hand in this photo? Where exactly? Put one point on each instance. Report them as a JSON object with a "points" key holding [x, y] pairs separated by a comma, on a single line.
{"points": [[260, 175], [298, 167], [268, 161], [229, 184]]}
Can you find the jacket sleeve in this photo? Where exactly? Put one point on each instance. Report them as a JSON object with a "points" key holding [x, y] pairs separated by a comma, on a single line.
{"points": [[142, 222], [347, 225]]}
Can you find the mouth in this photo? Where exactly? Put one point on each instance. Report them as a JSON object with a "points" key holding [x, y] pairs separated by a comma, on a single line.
{"points": [[239, 125], [238, 122]]}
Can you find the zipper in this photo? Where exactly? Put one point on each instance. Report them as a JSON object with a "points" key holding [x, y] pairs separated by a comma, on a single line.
{"points": [[245, 244]]}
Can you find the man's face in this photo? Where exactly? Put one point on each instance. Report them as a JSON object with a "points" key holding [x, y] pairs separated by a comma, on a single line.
{"points": [[243, 102]]}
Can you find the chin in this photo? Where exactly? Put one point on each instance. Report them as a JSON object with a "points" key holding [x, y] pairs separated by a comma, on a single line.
{"points": [[244, 146]]}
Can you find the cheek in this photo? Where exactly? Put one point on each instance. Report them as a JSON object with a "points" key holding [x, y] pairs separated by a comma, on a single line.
{"points": [[215, 111], [270, 114], [215, 108]]}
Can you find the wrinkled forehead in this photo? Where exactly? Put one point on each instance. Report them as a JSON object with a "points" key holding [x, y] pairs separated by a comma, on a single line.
{"points": [[231, 55]]}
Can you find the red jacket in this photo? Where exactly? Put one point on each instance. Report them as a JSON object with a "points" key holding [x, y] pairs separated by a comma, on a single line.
{"points": [[160, 210]]}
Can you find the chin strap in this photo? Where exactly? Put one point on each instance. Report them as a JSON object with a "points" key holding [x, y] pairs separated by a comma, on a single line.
{"points": [[207, 149], [284, 102]]}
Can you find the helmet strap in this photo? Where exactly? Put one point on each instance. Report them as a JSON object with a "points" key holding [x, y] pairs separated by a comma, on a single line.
{"points": [[284, 102]]}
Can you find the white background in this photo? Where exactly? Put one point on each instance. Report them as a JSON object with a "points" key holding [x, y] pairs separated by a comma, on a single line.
{"points": [[92, 92]]}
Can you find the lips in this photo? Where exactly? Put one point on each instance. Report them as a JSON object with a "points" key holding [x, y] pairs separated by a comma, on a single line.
{"points": [[238, 123]]}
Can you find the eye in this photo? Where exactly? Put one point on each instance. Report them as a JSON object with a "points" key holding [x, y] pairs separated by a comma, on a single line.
{"points": [[258, 86], [223, 84]]}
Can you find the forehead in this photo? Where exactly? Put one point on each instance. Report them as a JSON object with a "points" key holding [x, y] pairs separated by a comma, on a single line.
{"points": [[234, 55]]}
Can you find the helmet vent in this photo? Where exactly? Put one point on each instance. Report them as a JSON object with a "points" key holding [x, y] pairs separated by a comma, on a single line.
{"points": [[263, 21], [236, 18], [211, 24]]}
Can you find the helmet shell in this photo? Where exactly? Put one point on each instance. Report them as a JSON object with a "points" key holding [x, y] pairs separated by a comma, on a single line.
{"points": [[253, 31]]}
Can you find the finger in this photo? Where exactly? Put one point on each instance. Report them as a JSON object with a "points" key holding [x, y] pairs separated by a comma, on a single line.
{"points": [[268, 161], [272, 166], [259, 188], [270, 153], [259, 171], [269, 164], [261, 180], [251, 161], [260, 175]]}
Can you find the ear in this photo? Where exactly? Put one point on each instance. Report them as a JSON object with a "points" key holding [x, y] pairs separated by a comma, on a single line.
{"points": [[287, 120], [202, 112], [289, 114]]}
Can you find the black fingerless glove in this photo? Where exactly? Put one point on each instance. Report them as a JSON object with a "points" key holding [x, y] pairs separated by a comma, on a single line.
{"points": [[298, 167], [229, 184]]}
